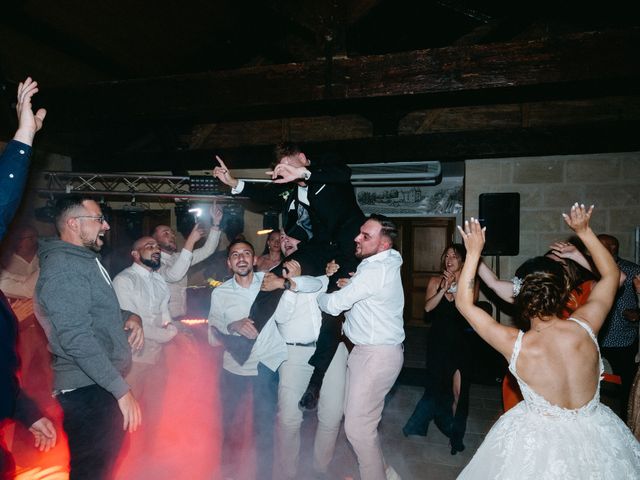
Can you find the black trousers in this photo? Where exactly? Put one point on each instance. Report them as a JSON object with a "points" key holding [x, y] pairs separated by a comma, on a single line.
{"points": [[265, 398], [93, 424], [623, 362], [435, 405]]}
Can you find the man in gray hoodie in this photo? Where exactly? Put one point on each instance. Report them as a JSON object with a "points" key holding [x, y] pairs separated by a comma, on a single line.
{"points": [[79, 311]]}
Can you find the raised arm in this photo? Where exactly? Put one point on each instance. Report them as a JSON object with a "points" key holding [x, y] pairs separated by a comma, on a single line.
{"points": [[500, 337], [502, 288], [568, 250], [597, 306]]}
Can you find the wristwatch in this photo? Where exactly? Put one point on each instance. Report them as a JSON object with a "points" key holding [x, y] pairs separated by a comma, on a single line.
{"points": [[287, 284]]}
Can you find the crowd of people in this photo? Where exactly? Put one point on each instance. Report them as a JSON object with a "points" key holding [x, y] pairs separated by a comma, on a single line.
{"points": [[314, 323]]}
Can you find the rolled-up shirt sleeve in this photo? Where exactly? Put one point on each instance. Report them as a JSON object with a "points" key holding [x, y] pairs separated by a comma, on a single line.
{"points": [[362, 285]]}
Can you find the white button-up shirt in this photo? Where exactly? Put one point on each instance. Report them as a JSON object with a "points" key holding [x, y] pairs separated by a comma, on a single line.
{"points": [[174, 267], [372, 301], [146, 294], [298, 316], [18, 278], [231, 302]]}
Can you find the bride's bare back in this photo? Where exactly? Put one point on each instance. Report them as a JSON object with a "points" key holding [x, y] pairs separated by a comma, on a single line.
{"points": [[561, 363]]}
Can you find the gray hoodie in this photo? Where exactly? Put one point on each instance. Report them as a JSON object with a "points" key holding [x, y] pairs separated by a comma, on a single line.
{"points": [[78, 310]]}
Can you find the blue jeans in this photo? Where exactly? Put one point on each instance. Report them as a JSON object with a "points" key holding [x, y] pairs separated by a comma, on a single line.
{"points": [[93, 424]]}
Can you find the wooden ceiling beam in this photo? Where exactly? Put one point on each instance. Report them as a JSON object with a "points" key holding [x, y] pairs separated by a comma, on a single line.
{"points": [[443, 146], [597, 63]]}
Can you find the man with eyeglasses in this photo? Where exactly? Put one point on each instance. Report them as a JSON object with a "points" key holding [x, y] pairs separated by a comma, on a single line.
{"points": [[78, 309]]}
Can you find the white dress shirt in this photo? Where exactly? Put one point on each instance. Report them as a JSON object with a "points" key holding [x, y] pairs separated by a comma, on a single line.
{"points": [[372, 301], [18, 277], [298, 316], [231, 302], [146, 294], [174, 267]]}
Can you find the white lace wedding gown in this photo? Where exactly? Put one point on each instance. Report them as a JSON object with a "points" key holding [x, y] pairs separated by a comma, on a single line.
{"points": [[538, 440]]}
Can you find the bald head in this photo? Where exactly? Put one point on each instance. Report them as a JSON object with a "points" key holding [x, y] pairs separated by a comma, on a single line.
{"points": [[146, 252]]}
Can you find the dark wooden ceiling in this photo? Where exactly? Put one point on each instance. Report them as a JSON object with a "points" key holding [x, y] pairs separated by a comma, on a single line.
{"points": [[165, 85]]}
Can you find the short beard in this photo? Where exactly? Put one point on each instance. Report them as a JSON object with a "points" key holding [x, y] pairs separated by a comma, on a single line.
{"points": [[167, 247], [152, 264], [91, 244]]}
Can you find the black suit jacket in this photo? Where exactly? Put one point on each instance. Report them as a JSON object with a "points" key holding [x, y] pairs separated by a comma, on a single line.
{"points": [[335, 214]]}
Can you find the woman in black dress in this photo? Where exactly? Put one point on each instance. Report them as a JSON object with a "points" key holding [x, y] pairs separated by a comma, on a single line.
{"points": [[446, 394]]}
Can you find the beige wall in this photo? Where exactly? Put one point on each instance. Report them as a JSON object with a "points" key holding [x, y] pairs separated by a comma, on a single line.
{"points": [[549, 185]]}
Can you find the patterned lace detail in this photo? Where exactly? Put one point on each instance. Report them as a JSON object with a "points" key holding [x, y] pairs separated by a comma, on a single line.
{"points": [[537, 403]]}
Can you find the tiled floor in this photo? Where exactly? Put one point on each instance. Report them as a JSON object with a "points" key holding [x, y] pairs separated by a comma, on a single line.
{"points": [[420, 458]]}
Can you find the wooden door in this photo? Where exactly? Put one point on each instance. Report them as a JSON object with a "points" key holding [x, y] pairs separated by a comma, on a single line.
{"points": [[421, 243]]}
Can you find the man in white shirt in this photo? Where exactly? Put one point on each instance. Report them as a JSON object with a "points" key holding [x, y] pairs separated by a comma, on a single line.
{"points": [[174, 265], [298, 319], [143, 291], [373, 300], [230, 305]]}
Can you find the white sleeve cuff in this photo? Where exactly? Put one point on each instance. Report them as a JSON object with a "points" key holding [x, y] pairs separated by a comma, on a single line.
{"points": [[238, 188]]}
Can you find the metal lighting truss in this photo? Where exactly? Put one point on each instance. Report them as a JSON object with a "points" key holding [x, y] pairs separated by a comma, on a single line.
{"points": [[125, 185]]}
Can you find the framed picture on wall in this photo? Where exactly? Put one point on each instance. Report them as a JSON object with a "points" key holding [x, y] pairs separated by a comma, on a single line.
{"points": [[442, 200]]}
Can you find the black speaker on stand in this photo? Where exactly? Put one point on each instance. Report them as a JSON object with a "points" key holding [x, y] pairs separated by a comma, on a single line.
{"points": [[500, 213]]}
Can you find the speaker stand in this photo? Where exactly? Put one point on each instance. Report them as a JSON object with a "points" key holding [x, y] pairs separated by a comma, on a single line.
{"points": [[498, 275]]}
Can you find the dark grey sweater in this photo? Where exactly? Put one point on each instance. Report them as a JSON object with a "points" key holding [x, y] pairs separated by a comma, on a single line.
{"points": [[78, 310]]}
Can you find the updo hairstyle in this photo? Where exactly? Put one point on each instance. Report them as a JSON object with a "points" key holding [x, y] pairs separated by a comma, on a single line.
{"points": [[544, 291]]}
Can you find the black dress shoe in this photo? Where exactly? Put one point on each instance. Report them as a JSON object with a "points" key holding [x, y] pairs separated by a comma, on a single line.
{"points": [[309, 400], [456, 447]]}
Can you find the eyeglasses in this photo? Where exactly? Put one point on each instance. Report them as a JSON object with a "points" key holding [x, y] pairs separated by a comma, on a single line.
{"points": [[100, 219]]}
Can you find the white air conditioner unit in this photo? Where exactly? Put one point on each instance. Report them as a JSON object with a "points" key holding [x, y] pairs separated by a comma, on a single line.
{"points": [[395, 173]]}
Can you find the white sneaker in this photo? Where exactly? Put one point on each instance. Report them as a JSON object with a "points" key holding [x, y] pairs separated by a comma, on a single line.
{"points": [[391, 473]]}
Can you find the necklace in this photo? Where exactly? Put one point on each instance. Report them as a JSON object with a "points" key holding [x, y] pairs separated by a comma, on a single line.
{"points": [[540, 329]]}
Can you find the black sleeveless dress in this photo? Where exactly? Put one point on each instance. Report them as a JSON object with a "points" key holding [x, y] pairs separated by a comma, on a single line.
{"points": [[448, 350]]}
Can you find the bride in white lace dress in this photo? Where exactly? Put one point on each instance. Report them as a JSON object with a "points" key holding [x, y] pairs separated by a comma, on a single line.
{"points": [[560, 430]]}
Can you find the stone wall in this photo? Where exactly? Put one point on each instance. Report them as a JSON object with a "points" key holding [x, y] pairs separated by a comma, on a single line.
{"points": [[549, 185]]}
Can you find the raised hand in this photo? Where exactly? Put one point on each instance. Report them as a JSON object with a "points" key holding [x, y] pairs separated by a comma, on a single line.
{"points": [[473, 236], [28, 122], [331, 268], [291, 269], [196, 234], [564, 249], [284, 173], [221, 172], [578, 218], [216, 214]]}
